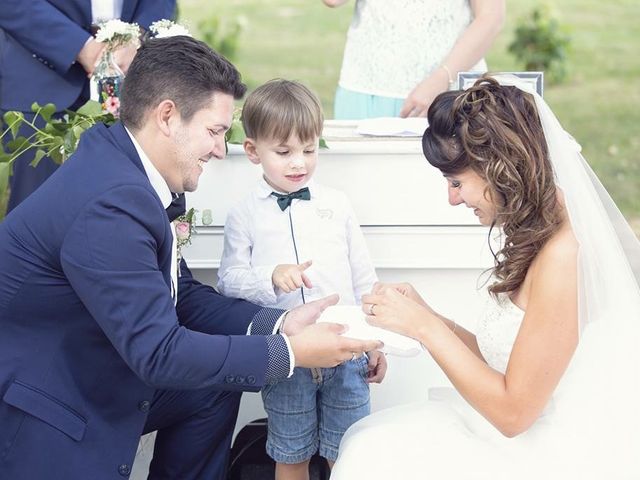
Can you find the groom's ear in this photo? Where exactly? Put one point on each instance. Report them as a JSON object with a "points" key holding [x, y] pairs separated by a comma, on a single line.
{"points": [[165, 116], [250, 149]]}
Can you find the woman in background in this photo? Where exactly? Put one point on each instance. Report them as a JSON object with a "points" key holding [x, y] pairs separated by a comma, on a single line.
{"points": [[400, 54]]}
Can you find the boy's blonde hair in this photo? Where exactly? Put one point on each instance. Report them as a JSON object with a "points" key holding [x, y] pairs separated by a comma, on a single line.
{"points": [[280, 108]]}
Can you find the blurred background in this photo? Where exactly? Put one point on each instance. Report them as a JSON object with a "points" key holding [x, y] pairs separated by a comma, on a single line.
{"points": [[588, 49], [592, 81]]}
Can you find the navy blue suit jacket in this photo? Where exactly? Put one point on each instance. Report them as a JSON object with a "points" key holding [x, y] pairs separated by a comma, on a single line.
{"points": [[39, 41], [88, 328]]}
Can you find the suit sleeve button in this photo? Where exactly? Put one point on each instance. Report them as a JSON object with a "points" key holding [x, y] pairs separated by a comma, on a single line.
{"points": [[251, 380], [144, 405], [124, 470], [239, 379], [229, 379]]}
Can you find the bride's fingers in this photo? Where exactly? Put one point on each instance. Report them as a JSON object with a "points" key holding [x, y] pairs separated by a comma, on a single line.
{"points": [[371, 298], [378, 288]]}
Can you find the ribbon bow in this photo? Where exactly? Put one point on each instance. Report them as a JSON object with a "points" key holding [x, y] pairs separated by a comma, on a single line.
{"points": [[284, 200]]}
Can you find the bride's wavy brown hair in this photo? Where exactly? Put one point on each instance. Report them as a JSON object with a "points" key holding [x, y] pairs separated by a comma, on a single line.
{"points": [[495, 131]]}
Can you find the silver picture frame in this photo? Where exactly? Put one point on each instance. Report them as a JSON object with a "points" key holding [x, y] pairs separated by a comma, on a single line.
{"points": [[535, 79]]}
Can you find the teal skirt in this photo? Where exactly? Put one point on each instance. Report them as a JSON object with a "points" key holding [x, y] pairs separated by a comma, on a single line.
{"points": [[350, 105]]}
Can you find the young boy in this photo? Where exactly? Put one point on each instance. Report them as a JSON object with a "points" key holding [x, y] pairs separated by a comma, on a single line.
{"points": [[291, 241]]}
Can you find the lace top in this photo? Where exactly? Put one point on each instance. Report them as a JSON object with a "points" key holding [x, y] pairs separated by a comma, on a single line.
{"points": [[392, 45], [497, 332]]}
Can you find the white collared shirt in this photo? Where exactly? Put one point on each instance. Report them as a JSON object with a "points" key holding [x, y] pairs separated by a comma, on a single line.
{"points": [[258, 236], [104, 10], [161, 188]]}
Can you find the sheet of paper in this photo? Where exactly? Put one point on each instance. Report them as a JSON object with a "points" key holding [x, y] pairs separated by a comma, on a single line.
{"points": [[355, 319], [393, 126]]}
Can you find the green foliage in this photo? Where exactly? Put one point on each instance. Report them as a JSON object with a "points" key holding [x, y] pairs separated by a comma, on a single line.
{"points": [[235, 134], [541, 44], [223, 40], [57, 139]]}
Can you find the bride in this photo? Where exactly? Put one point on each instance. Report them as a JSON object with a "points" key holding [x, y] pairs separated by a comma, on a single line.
{"points": [[549, 387]]}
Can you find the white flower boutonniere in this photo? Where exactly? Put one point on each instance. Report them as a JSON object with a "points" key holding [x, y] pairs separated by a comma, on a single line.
{"points": [[185, 227], [166, 28]]}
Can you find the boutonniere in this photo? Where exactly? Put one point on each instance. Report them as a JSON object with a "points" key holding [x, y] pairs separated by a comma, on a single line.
{"points": [[185, 227]]}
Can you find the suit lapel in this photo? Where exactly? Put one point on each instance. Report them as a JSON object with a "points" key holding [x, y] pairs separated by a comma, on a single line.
{"points": [[120, 138]]}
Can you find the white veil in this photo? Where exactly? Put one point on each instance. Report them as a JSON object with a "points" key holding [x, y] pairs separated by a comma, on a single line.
{"points": [[599, 395]]}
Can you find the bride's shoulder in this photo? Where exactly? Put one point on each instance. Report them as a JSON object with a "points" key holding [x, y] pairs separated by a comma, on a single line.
{"points": [[560, 250]]}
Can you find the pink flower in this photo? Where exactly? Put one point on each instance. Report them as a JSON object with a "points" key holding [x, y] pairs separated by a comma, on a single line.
{"points": [[183, 231], [112, 105]]}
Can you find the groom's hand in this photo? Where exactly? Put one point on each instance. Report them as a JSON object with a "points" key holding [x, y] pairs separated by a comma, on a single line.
{"points": [[307, 314], [320, 345]]}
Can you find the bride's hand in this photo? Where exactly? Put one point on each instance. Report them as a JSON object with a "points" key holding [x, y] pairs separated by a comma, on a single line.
{"points": [[394, 311], [405, 289]]}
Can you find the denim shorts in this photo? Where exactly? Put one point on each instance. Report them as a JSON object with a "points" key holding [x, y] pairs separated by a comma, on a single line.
{"points": [[309, 413]]}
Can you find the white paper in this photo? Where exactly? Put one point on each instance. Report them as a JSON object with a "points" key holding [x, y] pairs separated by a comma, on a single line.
{"points": [[393, 127], [355, 319]]}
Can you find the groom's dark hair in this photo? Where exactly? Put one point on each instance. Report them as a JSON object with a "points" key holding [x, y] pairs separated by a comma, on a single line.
{"points": [[180, 69]]}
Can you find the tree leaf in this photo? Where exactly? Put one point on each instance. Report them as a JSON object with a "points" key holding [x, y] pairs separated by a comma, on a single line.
{"points": [[90, 109], [14, 120], [47, 111], [78, 131], [40, 154], [18, 144], [56, 150]]}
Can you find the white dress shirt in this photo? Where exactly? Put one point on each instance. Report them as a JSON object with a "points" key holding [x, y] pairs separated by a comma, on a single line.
{"points": [[258, 236], [162, 189], [104, 10]]}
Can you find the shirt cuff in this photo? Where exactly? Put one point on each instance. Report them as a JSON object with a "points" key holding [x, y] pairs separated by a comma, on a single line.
{"points": [[266, 321], [281, 359]]}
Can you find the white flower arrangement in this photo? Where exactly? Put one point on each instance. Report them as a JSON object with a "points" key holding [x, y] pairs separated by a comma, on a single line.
{"points": [[166, 28], [116, 33]]}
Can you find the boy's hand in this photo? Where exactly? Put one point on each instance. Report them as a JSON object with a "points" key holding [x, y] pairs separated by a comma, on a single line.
{"points": [[290, 277], [377, 366]]}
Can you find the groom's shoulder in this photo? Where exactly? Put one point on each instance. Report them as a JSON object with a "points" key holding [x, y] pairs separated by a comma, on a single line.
{"points": [[101, 160]]}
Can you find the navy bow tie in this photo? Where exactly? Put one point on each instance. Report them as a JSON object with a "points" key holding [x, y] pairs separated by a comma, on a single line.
{"points": [[177, 207], [284, 200]]}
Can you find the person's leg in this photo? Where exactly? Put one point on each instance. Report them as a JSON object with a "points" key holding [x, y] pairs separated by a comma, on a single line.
{"points": [[292, 436], [194, 433], [294, 471], [342, 401]]}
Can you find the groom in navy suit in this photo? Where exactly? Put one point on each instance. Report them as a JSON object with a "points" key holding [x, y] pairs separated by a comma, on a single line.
{"points": [[101, 339], [47, 51]]}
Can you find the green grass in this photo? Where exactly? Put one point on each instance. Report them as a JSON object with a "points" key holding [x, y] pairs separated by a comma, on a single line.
{"points": [[599, 103]]}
